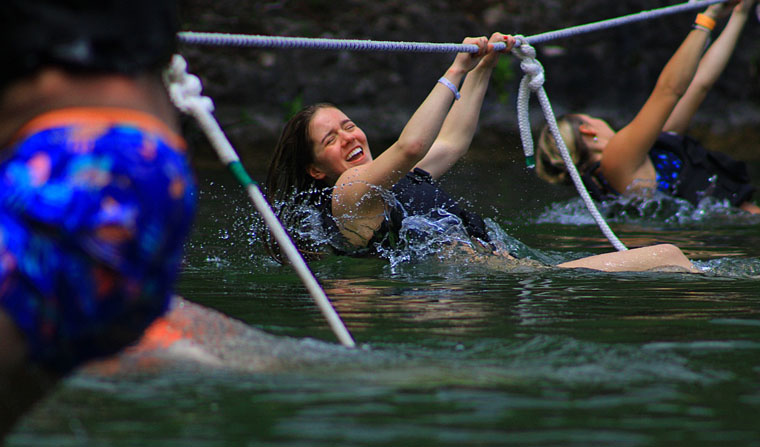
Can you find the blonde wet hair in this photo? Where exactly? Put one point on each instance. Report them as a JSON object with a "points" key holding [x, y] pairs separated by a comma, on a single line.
{"points": [[549, 163]]}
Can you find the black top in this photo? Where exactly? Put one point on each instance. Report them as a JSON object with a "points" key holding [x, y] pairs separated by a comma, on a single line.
{"points": [[415, 194], [700, 173]]}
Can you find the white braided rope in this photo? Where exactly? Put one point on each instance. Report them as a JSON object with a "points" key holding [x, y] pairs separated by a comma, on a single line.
{"points": [[262, 41], [185, 92], [317, 43], [533, 81]]}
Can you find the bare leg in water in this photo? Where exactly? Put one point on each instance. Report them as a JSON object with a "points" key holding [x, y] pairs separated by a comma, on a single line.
{"points": [[660, 256]]}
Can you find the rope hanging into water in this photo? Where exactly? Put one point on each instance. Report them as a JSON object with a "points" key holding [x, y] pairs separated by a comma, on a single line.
{"points": [[533, 80], [260, 41], [185, 91]]}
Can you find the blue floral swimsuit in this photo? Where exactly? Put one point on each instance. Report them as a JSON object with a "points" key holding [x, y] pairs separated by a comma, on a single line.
{"points": [[686, 169], [95, 205]]}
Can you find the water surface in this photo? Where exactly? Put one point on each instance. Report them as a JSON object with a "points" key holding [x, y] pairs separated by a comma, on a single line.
{"points": [[453, 352]]}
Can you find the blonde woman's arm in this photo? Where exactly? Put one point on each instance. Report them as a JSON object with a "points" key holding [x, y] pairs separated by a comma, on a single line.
{"points": [[625, 157], [710, 68]]}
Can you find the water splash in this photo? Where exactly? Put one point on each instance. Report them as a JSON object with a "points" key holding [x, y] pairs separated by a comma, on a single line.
{"points": [[437, 235], [423, 236], [659, 209], [730, 267]]}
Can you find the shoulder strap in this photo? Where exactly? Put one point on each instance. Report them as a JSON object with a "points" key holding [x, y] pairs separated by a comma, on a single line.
{"points": [[598, 187]]}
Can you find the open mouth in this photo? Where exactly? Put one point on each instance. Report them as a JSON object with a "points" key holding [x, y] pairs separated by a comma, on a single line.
{"points": [[355, 154]]}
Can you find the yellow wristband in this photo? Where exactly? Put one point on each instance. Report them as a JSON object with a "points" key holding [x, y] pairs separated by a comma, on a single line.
{"points": [[705, 20]]}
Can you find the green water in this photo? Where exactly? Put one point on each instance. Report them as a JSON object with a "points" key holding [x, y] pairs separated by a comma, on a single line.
{"points": [[453, 353]]}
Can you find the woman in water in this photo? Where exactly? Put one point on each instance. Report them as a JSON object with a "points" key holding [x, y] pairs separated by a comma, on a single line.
{"points": [[652, 152], [323, 160]]}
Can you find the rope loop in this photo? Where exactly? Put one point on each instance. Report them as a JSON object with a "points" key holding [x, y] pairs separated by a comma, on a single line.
{"points": [[185, 89], [532, 68], [523, 49]]}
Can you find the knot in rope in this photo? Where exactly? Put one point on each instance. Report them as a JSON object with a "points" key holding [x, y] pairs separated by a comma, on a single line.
{"points": [[185, 88], [532, 81], [529, 64]]}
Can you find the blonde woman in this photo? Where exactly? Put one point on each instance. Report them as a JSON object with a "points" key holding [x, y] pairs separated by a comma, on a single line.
{"points": [[652, 151]]}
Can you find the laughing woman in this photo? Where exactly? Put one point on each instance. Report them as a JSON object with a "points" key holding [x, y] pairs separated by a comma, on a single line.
{"points": [[323, 160]]}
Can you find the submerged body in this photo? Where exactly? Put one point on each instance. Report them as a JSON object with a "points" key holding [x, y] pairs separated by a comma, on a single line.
{"points": [[420, 213], [192, 335]]}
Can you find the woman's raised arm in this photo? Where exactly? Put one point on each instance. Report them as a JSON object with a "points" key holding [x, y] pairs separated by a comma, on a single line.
{"points": [[461, 122], [710, 68], [625, 157]]}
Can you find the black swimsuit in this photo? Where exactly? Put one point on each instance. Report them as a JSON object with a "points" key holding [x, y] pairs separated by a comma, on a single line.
{"points": [[687, 170], [416, 194]]}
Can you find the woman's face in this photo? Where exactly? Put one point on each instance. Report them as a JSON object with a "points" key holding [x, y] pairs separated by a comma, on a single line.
{"points": [[338, 145]]}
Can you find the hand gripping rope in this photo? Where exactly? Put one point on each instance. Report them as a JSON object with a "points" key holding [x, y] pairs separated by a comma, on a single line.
{"points": [[185, 92]]}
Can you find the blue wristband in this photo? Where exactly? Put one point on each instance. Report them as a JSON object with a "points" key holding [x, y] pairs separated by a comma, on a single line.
{"points": [[451, 87]]}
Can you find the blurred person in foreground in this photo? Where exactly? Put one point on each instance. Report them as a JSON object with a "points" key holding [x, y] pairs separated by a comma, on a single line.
{"points": [[96, 191]]}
